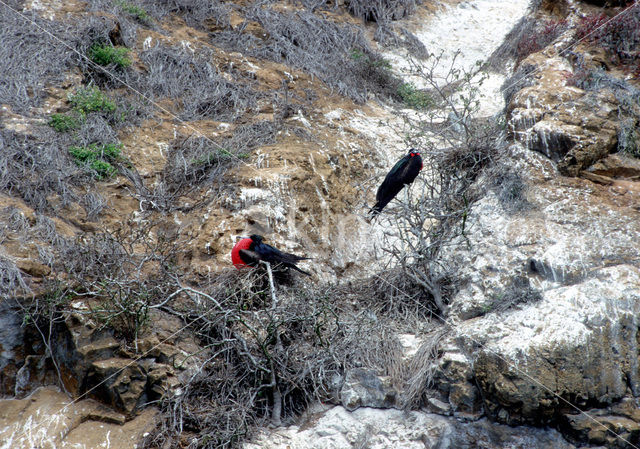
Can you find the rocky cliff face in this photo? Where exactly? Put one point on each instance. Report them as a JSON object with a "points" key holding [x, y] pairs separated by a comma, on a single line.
{"points": [[546, 310], [540, 322]]}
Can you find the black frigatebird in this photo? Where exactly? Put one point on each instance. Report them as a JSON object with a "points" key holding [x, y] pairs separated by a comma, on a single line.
{"points": [[250, 251], [403, 173]]}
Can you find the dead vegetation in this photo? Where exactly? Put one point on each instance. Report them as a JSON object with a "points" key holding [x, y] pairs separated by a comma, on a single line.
{"points": [[35, 167], [268, 354], [30, 60], [198, 89], [11, 278], [333, 52]]}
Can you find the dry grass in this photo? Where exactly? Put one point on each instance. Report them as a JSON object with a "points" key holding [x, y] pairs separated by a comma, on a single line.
{"points": [[312, 43], [31, 59], [198, 88], [11, 279], [418, 374]]}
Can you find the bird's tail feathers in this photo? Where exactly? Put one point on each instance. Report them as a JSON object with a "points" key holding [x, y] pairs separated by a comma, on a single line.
{"points": [[375, 211], [299, 269]]}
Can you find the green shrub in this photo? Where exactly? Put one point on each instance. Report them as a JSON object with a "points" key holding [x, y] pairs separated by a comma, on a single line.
{"points": [[136, 11], [103, 54], [370, 61], [91, 99], [414, 97], [98, 158], [374, 72], [63, 122]]}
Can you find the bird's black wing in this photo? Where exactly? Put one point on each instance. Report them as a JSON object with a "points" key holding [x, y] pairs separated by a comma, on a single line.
{"points": [[249, 257], [273, 255], [391, 185], [397, 167], [409, 172]]}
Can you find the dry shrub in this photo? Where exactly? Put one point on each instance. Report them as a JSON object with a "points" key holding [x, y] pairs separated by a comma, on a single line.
{"points": [[521, 78], [268, 354], [196, 13], [195, 159], [517, 291], [510, 189], [30, 58], [197, 162], [541, 35], [381, 10], [529, 35], [266, 358], [433, 217], [125, 274], [197, 87], [315, 44], [418, 374], [37, 168], [12, 282], [620, 37], [457, 147]]}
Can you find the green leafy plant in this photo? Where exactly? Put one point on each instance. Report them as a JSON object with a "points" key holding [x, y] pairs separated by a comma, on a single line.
{"points": [[217, 156], [369, 60], [414, 97], [103, 54], [64, 122], [136, 11], [91, 99], [98, 158]]}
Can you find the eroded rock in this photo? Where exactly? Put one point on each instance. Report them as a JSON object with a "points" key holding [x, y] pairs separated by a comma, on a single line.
{"points": [[572, 127], [363, 388], [382, 429], [609, 431], [571, 331], [49, 419], [11, 350]]}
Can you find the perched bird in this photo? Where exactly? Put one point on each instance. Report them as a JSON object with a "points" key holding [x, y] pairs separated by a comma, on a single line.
{"points": [[403, 173], [252, 250]]}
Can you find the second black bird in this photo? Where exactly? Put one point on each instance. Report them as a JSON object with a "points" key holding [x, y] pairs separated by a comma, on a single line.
{"points": [[403, 173], [252, 250]]}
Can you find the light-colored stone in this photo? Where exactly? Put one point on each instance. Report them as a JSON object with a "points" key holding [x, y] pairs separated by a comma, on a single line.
{"points": [[573, 330], [48, 419], [572, 127], [337, 428], [363, 388]]}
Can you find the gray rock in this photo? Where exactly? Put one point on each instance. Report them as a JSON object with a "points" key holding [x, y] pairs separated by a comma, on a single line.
{"points": [[576, 337], [604, 430], [439, 407], [383, 429], [363, 388], [11, 339]]}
